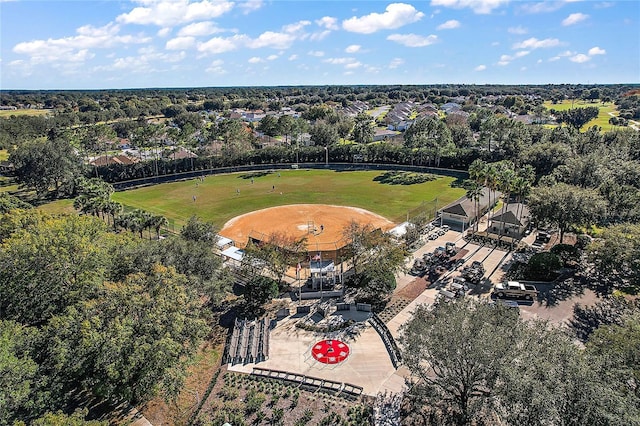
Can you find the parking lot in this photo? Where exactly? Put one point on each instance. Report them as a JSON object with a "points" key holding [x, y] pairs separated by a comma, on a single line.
{"points": [[554, 304]]}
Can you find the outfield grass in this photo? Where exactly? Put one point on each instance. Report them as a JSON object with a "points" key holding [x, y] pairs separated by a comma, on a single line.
{"points": [[602, 120], [6, 113], [217, 199]]}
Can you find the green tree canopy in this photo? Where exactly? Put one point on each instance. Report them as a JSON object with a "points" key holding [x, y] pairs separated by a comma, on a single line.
{"points": [[565, 205], [45, 165]]}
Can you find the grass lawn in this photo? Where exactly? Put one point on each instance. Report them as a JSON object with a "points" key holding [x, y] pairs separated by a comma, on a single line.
{"points": [[217, 200], [8, 113], [58, 207], [602, 120]]}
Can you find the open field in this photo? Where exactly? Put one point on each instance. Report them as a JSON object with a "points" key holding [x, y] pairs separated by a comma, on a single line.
{"points": [[9, 112], [601, 121], [223, 197]]}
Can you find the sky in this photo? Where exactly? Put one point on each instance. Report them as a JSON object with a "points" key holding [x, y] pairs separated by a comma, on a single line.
{"points": [[96, 44]]}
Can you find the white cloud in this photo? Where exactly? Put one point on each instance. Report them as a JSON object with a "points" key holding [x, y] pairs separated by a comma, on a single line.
{"points": [[272, 39], [574, 18], [142, 62], [579, 58], [180, 43], [534, 43], [449, 25], [340, 61], [395, 16], [216, 67], [295, 27], [70, 48], [596, 51], [519, 30], [541, 6], [222, 44], [199, 29], [478, 6], [272, 57], [480, 68], [319, 35], [255, 60], [506, 59], [395, 63], [353, 48], [413, 40], [293, 57], [353, 65], [167, 13], [316, 53], [328, 22], [164, 32], [248, 6]]}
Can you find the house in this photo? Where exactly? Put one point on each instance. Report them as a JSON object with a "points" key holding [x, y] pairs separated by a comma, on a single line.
{"points": [[105, 160], [450, 107], [383, 135], [461, 214], [399, 126], [6, 168], [511, 222], [124, 144], [179, 153]]}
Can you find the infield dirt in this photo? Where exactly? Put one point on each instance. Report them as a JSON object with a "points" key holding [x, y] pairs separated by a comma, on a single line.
{"points": [[328, 223]]}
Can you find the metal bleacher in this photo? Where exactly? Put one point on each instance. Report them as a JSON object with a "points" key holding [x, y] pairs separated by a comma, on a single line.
{"points": [[248, 342]]}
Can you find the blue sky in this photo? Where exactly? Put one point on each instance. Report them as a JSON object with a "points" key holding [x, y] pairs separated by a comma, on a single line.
{"points": [[80, 44]]}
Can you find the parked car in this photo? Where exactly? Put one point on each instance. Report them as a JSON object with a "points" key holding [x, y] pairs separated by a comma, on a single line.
{"points": [[515, 289]]}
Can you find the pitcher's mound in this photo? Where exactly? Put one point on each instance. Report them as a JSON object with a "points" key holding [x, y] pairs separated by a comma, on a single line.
{"points": [[319, 223]]}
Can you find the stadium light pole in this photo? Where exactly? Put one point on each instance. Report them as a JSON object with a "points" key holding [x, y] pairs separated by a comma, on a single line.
{"points": [[326, 151]]}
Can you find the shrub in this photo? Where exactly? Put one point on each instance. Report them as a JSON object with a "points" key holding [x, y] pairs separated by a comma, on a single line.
{"points": [[568, 254], [542, 266]]}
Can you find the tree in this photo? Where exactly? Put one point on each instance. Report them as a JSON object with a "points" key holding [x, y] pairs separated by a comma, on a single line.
{"points": [[565, 205], [17, 371], [269, 125], [363, 129], [61, 419], [616, 255], [475, 193], [43, 165], [478, 363], [455, 352], [130, 342], [376, 258], [156, 222], [47, 265], [10, 202], [323, 134], [433, 135], [577, 117], [286, 125], [618, 346], [258, 291], [277, 253], [197, 230]]}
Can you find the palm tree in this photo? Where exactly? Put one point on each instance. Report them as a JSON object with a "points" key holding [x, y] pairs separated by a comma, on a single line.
{"points": [[506, 180], [474, 192], [491, 182], [157, 222], [114, 209]]}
